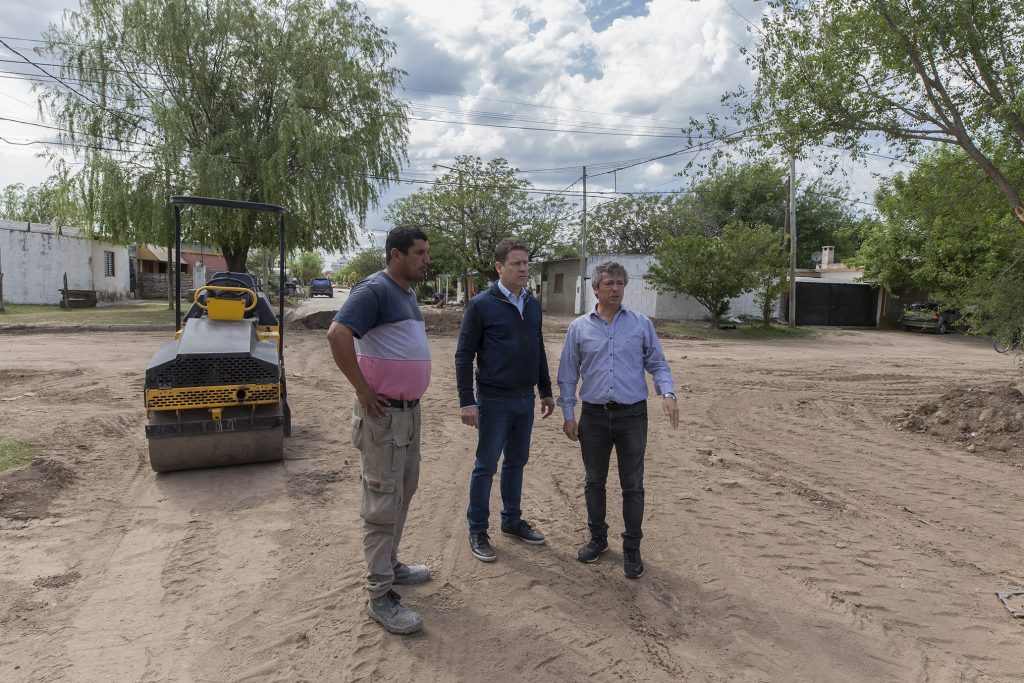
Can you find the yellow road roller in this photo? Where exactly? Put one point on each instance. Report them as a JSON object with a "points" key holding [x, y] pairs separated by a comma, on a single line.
{"points": [[216, 394]]}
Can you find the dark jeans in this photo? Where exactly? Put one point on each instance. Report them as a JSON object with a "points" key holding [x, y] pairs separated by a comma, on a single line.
{"points": [[624, 427], [503, 424]]}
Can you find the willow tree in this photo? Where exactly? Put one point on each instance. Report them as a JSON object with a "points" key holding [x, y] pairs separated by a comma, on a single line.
{"points": [[52, 201], [288, 102], [909, 72]]}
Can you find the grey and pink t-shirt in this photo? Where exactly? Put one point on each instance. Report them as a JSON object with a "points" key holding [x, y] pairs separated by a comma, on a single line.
{"points": [[391, 339]]}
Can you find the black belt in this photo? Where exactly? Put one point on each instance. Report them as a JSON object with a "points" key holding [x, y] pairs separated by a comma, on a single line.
{"points": [[398, 403], [612, 405]]}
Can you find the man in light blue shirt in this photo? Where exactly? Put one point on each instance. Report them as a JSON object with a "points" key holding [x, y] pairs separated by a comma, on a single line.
{"points": [[609, 348]]}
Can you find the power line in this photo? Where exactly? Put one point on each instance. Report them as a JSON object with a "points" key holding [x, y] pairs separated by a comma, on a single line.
{"points": [[426, 108], [543, 106], [554, 130], [602, 129], [87, 99]]}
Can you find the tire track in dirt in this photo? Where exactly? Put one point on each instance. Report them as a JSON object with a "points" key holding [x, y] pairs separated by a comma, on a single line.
{"points": [[844, 418], [790, 560]]}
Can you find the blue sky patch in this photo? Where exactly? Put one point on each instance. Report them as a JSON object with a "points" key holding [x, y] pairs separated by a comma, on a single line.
{"points": [[603, 12]]}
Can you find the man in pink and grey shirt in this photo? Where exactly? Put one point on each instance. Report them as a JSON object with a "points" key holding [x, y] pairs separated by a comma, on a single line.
{"points": [[379, 342]]}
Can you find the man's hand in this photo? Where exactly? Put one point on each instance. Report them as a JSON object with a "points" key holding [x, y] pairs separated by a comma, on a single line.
{"points": [[672, 410], [571, 430], [547, 407], [470, 416], [373, 405]]}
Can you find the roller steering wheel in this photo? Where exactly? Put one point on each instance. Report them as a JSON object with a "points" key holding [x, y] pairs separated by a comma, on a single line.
{"points": [[226, 280]]}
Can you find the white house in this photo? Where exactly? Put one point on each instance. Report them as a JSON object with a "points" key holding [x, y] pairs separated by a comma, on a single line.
{"points": [[34, 258], [560, 290]]}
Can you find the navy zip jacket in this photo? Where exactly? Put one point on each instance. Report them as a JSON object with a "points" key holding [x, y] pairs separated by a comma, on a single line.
{"points": [[508, 347]]}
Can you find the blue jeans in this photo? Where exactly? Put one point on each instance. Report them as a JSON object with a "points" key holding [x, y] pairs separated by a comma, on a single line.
{"points": [[625, 428], [503, 424]]}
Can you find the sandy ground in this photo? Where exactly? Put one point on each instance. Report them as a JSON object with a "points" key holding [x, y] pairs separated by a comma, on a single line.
{"points": [[819, 541]]}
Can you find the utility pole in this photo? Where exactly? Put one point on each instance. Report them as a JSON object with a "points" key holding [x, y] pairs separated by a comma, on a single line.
{"points": [[583, 246], [468, 275], [792, 241], [1, 284]]}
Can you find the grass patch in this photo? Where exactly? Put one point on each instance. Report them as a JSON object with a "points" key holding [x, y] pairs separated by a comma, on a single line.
{"points": [[155, 313], [135, 313], [746, 331], [14, 454]]}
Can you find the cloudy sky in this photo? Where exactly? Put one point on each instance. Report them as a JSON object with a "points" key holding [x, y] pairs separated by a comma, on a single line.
{"points": [[551, 85]]}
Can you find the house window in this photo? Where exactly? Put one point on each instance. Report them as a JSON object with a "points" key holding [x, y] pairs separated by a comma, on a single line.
{"points": [[108, 263], [559, 282]]}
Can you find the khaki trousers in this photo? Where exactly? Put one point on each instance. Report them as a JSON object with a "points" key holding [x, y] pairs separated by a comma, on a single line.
{"points": [[389, 450]]}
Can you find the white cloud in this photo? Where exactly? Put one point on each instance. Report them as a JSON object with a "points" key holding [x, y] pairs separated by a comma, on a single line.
{"points": [[650, 67]]}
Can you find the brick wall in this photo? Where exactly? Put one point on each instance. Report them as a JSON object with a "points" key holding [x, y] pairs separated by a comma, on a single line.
{"points": [[154, 285]]}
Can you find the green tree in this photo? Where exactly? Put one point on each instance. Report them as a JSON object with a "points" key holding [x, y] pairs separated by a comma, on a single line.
{"points": [[904, 71], [53, 202], [710, 268], [768, 263], [473, 207], [944, 230], [286, 102], [749, 192], [564, 250], [634, 224], [306, 265], [756, 192], [364, 264]]}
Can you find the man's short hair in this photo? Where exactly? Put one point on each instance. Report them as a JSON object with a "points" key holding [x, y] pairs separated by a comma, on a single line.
{"points": [[401, 238], [502, 249], [611, 268]]}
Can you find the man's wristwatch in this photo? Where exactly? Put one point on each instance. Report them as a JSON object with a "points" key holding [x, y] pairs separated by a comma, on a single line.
{"points": [[669, 394]]}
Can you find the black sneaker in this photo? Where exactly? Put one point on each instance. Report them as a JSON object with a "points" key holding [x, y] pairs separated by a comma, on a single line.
{"points": [[592, 551], [522, 530], [632, 565], [480, 546]]}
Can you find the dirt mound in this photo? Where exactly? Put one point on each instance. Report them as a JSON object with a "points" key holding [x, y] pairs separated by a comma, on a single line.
{"points": [[27, 493], [986, 420], [442, 322], [320, 320]]}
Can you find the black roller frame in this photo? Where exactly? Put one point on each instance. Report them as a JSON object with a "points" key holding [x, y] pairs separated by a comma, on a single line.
{"points": [[183, 200]]}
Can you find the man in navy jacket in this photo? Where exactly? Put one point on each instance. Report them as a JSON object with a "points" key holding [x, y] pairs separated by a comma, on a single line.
{"points": [[501, 330]]}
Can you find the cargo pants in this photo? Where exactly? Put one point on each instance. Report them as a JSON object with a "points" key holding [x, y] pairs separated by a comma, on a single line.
{"points": [[389, 450]]}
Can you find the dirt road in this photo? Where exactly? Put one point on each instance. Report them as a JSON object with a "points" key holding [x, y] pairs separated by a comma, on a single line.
{"points": [[822, 539]]}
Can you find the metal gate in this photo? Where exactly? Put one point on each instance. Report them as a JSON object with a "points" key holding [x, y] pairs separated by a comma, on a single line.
{"points": [[847, 305]]}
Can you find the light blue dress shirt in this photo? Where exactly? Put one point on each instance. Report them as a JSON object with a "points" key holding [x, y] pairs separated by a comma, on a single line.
{"points": [[611, 360], [519, 301]]}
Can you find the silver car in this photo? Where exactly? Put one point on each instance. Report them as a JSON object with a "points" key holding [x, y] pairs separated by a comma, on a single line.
{"points": [[928, 315]]}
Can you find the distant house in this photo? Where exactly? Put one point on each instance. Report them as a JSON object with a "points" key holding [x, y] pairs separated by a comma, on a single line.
{"points": [[560, 282], [154, 259], [835, 295], [197, 262], [34, 258]]}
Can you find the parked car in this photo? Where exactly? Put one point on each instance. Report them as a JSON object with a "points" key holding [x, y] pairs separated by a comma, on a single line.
{"points": [[322, 286], [291, 287], [929, 315]]}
